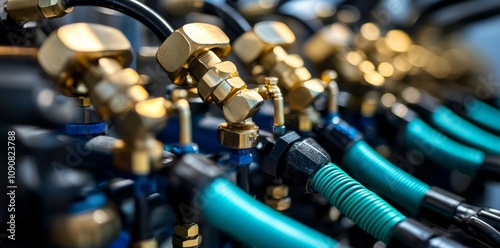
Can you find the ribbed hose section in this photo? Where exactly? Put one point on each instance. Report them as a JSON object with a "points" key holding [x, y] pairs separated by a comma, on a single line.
{"points": [[233, 211], [362, 206], [378, 174]]}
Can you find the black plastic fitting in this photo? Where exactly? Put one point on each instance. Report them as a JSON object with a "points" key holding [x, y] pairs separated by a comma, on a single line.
{"points": [[274, 151], [337, 138], [410, 233]]}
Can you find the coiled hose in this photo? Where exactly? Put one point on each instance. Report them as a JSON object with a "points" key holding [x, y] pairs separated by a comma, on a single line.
{"points": [[441, 149], [362, 206], [233, 211], [484, 114], [377, 173], [465, 131]]}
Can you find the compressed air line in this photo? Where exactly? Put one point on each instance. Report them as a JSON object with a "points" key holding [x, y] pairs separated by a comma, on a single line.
{"points": [[367, 166], [364, 207], [233, 211], [443, 150], [484, 114], [457, 127]]}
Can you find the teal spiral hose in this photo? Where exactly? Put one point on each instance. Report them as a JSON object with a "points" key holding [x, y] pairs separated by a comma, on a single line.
{"points": [[377, 173], [441, 149], [362, 206], [484, 114], [233, 211], [461, 129]]}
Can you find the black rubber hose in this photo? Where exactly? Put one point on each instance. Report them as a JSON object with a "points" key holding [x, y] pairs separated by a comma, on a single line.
{"points": [[135, 9], [231, 17]]}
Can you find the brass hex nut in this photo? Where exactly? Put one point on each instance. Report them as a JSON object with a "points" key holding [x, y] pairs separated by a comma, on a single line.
{"points": [[186, 243], [91, 229], [185, 44], [280, 205], [277, 191], [186, 231], [137, 158], [264, 36], [214, 77], [226, 89], [70, 50], [202, 64], [53, 8], [290, 71], [302, 97], [242, 106], [238, 137]]}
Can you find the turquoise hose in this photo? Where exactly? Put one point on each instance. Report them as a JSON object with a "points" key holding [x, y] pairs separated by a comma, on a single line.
{"points": [[362, 206], [233, 211], [441, 149], [377, 173], [484, 114], [462, 130]]}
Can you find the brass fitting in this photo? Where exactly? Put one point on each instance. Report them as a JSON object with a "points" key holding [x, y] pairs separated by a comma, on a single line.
{"points": [[327, 42], [330, 77], [97, 228], [150, 243], [32, 10], [181, 104], [303, 120], [277, 197], [238, 136], [271, 91], [186, 44], [186, 235], [264, 45], [89, 60]]}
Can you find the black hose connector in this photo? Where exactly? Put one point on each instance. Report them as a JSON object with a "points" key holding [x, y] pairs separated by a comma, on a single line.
{"points": [[410, 233], [337, 138]]}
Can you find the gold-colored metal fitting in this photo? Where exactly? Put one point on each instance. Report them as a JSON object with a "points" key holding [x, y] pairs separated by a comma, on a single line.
{"points": [[238, 136], [303, 120], [290, 71], [264, 37], [138, 157], [53, 8], [202, 64], [277, 191], [242, 105], [96, 228], [79, 46], [186, 243], [328, 41], [150, 243], [187, 43], [182, 7], [214, 77], [280, 205], [226, 89], [188, 230], [301, 97]]}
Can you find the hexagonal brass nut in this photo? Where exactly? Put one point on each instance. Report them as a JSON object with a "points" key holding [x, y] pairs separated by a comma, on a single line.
{"points": [[277, 191], [302, 120], [226, 89], [91, 229], [280, 205], [68, 52], [186, 243], [242, 106], [186, 231], [237, 137], [303, 96], [265, 35], [290, 71], [185, 44], [328, 41], [202, 64], [53, 8], [215, 76]]}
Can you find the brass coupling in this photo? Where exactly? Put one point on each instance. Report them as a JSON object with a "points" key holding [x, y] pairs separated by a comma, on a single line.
{"points": [[238, 136], [33, 10], [277, 197], [186, 236]]}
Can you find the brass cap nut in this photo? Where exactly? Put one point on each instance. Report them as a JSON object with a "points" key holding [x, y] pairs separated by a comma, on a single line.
{"points": [[226, 89], [280, 205], [277, 191], [238, 137], [53, 8], [70, 50], [186, 231], [186, 243], [185, 44], [265, 36], [302, 97], [242, 106], [92, 229], [214, 77]]}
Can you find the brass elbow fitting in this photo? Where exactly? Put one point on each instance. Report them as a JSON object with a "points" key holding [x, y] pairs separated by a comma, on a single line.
{"points": [[271, 91], [89, 60], [198, 49], [32, 10]]}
